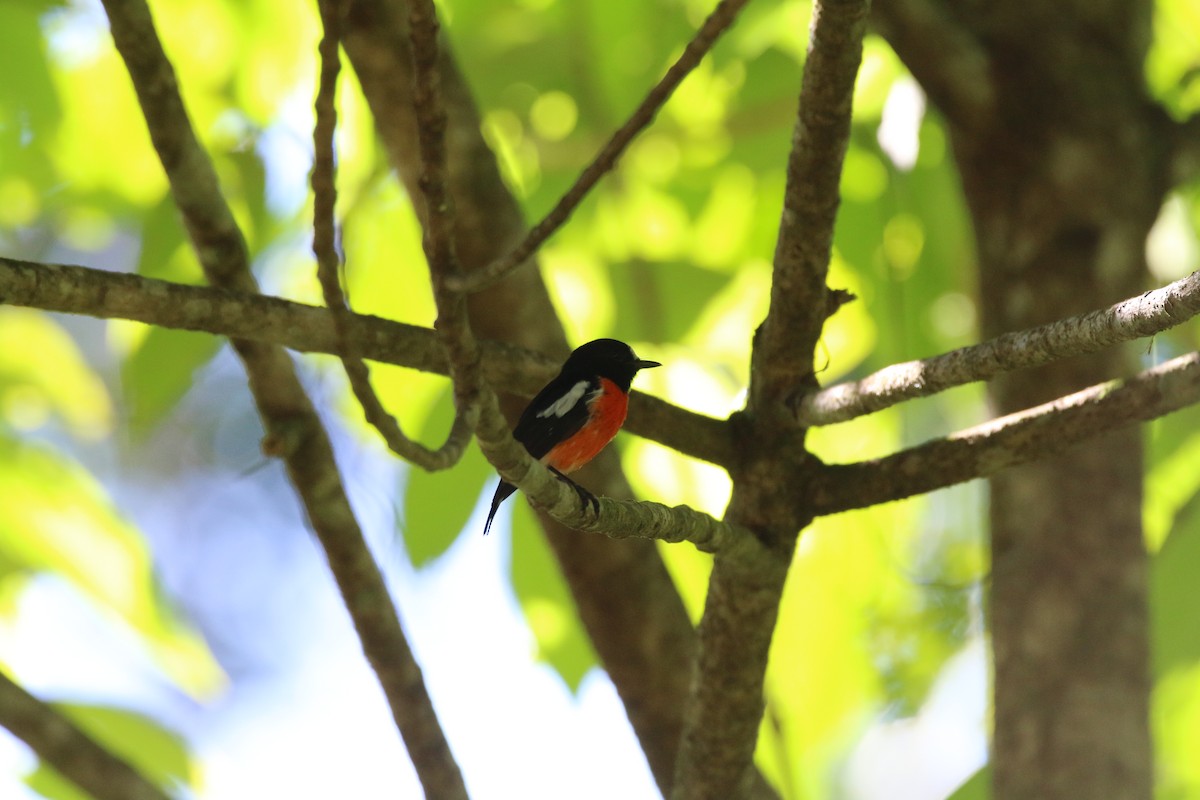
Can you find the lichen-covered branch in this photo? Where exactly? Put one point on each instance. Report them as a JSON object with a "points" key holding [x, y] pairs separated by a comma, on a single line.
{"points": [[1019, 438], [619, 519], [1144, 315]]}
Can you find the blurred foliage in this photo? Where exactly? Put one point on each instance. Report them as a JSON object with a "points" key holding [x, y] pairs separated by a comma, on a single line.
{"points": [[546, 599], [438, 504], [672, 252]]}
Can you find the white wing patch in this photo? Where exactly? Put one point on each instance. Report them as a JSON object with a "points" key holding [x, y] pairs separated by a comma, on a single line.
{"points": [[562, 406]]}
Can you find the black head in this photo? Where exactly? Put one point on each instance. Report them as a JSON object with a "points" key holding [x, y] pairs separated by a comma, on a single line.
{"points": [[608, 358]]}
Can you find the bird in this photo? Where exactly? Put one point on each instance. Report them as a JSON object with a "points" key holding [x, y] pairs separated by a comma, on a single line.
{"points": [[575, 415]]}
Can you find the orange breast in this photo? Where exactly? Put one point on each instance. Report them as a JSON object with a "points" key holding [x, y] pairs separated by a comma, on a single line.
{"points": [[607, 415]]}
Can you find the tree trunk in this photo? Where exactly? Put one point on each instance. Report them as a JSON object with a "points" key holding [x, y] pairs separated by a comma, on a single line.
{"points": [[1061, 218], [1063, 164]]}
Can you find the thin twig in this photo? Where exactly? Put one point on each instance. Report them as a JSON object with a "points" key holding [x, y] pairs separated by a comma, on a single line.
{"points": [[1144, 315], [721, 18], [452, 325], [293, 430], [74, 754], [324, 185], [1014, 439], [638, 625]]}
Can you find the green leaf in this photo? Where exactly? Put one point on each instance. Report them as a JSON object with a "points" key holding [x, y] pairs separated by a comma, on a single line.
{"points": [[1174, 634], [977, 787], [165, 253], [438, 504], [546, 600], [49, 783], [33, 99], [160, 371]]}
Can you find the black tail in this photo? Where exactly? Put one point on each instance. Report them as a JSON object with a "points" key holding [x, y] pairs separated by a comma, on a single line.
{"points": [[502, 492]]}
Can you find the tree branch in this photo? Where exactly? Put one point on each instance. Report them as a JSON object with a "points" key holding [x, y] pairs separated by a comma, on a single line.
{"points": [[293, 430], [74, 754], [452, 324], [721, 18], [309, 329], [1018, 438], [325, 249], [1144, 315], [725, 708], [618, 519], [799, 304], [770, 481]]}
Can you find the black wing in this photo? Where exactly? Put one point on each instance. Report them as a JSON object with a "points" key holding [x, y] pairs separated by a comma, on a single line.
{"points": [[556, 414]]}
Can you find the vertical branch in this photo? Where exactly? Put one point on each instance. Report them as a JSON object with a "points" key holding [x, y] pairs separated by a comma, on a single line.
{"points": [[799, 306], [325, 249], [293, 430], [452, 323], [725, 705], [772, 479]]}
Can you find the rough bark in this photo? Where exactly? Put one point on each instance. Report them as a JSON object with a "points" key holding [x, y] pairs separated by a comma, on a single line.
{"points": [[1064, 170]]}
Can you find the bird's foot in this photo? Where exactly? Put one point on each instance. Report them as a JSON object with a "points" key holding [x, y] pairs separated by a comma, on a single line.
{"points": [[586, 498]]}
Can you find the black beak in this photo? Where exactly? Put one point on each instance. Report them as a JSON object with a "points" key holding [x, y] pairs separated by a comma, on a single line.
{"points": [[642, 363]]}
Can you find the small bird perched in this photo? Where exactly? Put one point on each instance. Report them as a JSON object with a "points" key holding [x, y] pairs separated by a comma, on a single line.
{"points": [[575, 415]]}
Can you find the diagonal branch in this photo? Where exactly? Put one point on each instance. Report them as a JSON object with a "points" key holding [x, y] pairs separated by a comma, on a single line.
{"points": [[721, 18], [325, 249], [1144, 315], [293, 430], [1018, 438], [74, 754]]}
